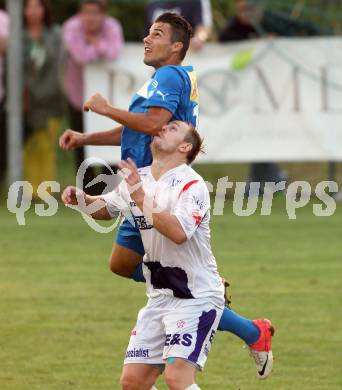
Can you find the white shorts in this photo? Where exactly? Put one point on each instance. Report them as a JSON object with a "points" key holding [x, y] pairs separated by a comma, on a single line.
{"points": [[174, 328]]}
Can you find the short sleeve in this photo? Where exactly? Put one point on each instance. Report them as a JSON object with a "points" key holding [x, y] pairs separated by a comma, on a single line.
{"points": [[165, 89], [192, 206]]}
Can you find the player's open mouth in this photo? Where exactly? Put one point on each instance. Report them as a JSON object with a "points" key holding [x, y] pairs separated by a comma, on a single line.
{"points": [[147, 50]]}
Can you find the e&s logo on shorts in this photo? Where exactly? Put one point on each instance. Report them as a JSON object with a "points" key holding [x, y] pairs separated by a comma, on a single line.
{"points": [[177, 339]]}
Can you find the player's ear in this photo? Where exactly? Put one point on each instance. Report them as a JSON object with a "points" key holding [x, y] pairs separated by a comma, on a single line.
{"points": [[185, 147], [177, 47]]}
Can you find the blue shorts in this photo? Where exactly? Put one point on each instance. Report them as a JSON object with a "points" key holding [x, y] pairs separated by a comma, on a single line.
{"points": [[129, 237]]}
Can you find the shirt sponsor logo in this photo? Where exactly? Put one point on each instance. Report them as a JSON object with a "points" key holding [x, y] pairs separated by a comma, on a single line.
{"points": [[175, 182], [197, 217], [178, 339], [141, 223], [138, 353], [198, 202]]}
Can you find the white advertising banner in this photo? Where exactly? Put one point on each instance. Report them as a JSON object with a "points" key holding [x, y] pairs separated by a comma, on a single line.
{"points": [[262, 100]]}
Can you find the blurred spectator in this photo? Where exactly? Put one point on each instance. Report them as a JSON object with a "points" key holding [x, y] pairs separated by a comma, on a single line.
{"points": [[3, 45], [42, 91], [252, 21], [89, 36], [197, 13]]}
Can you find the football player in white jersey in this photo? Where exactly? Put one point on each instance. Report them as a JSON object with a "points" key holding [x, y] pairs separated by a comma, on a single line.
{"points": [[170, 203]]}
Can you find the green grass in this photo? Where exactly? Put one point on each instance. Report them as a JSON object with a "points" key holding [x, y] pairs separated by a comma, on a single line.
{"points": [[65, 320]]}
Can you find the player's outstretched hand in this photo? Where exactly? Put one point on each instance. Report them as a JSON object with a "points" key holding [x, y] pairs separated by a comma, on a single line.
{"points": [[71, 140], [97, 103], [129, 171], [71, 195]]}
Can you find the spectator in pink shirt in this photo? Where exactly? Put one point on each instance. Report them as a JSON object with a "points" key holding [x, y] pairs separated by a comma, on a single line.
{"points": [[89, 36], [3, 45]]}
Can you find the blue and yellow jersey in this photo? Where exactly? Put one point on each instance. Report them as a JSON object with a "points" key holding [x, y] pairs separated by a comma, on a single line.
{"points": [[171, 87]]}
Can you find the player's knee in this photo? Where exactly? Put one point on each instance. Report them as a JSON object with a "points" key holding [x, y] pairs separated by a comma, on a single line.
{"points": [[132, 382], [129, 382], [179, 374], [174, 382]]}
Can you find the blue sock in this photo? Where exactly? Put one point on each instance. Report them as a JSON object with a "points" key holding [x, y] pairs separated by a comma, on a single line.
{"points": [[138, 275], [240, 326]]}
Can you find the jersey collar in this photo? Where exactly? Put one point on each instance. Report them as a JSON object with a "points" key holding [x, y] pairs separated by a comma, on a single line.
{"points": [[170, 172]]}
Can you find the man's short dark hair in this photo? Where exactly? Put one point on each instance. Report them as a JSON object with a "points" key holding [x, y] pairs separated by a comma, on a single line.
{"points": [[181, 29], [193, 138], [102, 4]]}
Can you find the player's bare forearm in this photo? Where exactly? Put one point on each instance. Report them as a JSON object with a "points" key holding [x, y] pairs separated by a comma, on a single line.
{"points": [[71, 140], [109, 137], [163, 221], [169, 226], [166, 224], [93, 206], [101, 212], [150, 122]]}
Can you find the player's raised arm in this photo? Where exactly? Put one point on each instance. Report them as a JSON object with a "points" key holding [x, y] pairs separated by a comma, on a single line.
{"points": [[71, 140], [167, 224], [94, 206], [150, 122]]}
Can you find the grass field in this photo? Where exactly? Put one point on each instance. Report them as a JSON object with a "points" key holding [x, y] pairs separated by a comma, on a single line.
{"points": [[65, 320]]}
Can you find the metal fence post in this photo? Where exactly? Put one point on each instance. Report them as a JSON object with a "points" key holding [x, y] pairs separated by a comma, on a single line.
{"points": [[14, 93]]}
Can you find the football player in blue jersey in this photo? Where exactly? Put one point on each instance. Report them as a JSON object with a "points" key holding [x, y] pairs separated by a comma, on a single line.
{"points": [[171, 94]]}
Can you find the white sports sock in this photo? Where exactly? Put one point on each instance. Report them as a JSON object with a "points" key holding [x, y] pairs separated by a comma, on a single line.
{"points": [[193, 387]]}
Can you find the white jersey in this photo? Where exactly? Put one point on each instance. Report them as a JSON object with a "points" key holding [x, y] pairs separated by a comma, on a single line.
{"points": [[187, 270]]}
